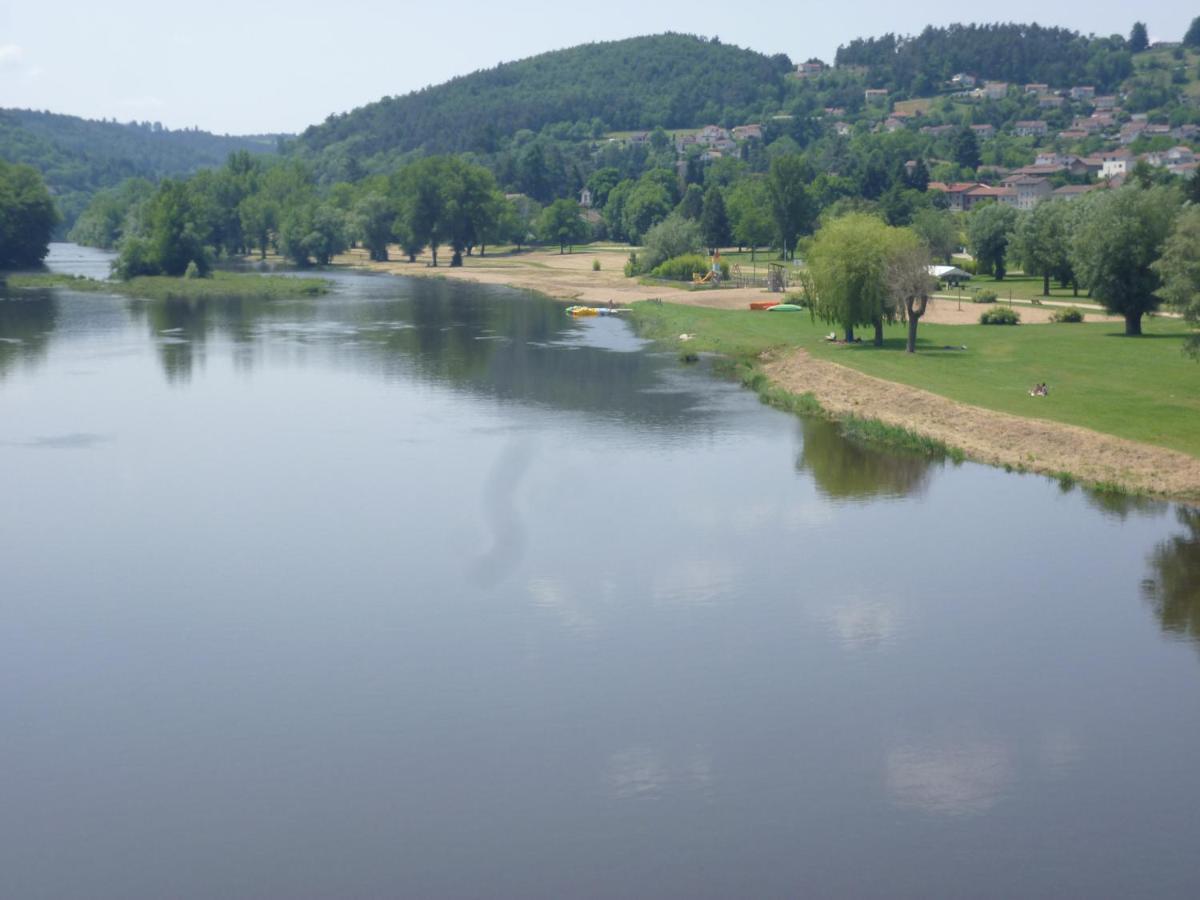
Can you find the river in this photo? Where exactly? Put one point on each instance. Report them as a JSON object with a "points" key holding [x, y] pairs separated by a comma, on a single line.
{"points": [[423, 589]]}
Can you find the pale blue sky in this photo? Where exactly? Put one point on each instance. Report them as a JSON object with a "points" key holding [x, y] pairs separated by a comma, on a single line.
{"points": [[241, 67]]}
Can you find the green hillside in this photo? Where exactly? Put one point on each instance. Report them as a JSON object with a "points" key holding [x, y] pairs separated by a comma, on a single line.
{"points": [[77, 157], [672, 80]]}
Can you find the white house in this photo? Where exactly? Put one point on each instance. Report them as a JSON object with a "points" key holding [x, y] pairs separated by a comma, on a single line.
{"points": [[995, 90]]}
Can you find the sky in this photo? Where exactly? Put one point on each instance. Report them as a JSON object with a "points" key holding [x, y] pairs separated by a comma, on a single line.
{"points": [[258, 67]]}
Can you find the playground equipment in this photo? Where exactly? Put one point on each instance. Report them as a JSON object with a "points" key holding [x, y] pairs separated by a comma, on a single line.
{"points": [[713, 275]]}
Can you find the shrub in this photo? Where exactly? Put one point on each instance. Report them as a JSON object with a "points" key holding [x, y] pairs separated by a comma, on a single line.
{"points": [[631, 264], [961, 262], [673, 236], [595, 265], [192, 270], [1001, 315], [1068, 314], [682, 268], [984, 297], [796, 298]]}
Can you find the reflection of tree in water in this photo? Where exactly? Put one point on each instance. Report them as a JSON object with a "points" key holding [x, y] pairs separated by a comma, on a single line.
{"points": [[26, 322], [1174, 588], [181, 328], [1120, 505], [846, 469]]}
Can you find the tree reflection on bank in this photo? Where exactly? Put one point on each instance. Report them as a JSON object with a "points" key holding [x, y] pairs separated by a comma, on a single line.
{"points": [[846, 470], [1173, 588]]}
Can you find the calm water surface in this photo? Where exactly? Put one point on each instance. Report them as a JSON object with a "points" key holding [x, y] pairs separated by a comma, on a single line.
{"points": [[425, 590]]}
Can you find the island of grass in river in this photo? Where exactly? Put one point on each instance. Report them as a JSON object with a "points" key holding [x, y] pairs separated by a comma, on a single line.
{"points": [[248, 285], [1142, 388]]}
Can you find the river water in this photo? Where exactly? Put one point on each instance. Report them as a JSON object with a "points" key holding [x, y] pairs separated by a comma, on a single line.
{"points": [[423, 589]]}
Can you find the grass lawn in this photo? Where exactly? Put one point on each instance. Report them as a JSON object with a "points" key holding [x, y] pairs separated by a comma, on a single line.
{"points": [[1143, 389], [1021, 287]]}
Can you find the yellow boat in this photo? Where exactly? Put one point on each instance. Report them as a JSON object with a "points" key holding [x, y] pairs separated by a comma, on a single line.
{"points": [[582, 311]]}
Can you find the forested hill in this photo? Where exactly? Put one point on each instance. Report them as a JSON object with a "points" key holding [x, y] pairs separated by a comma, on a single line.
{"points": [[78, 157], [1022, 54], [672, 80]]}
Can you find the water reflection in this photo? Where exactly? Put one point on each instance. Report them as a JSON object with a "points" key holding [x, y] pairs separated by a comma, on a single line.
{"points": [[1121, 506], [1174, 587], [954, 775], [27, 320], [844, 469]]}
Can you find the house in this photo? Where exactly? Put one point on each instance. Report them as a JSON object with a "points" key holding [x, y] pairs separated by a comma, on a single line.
{"points": [[1029, 190], [1030, 128], [585, 198], [891, 124], [1050, 158], [981, 192], [1187, 132], [1044, 171], [1071, 191], [639, 137], [712, 134], [1115, 162], [1083, 92], [938, 130], [955, 193], [984, 131], [1050, 102], [809, 69], [1037, 88], [748, 132], [995, 90], [842, 129], [963, 80], [1088, 125], [835, 111], [1176, 156], [1105, 101], [875, 95], [1072, 134], [1131, 131]]}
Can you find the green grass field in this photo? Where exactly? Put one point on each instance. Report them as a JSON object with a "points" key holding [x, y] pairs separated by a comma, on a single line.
{"points": [[1144, 389]]}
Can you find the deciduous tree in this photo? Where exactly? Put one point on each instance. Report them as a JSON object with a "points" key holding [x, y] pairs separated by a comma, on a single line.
{"points": [[1116, 244]]}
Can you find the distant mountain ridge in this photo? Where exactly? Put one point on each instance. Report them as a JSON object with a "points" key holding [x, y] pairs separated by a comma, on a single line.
{"points": [[78, 157], [672, 80]]}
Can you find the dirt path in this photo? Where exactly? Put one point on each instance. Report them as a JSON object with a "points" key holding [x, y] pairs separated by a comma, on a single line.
{"points": [[991, 437]]}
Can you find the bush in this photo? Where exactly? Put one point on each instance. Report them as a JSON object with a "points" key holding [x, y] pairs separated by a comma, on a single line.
{"points": [[1068, 314], [1001, 315], [984, 297], [192, 270], [682, 268], [595, 265], [961, 262], [673, 236], [631, 264]]}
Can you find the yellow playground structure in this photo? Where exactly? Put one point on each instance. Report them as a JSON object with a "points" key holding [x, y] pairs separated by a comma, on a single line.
{"points": [[713, 275]]}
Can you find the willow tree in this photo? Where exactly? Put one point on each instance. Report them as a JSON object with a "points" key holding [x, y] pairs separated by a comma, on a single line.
{"points": [[848, 272]]}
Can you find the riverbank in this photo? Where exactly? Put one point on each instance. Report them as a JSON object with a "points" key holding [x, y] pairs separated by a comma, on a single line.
{"points": [[1139, 432], [967, 388], [160, 287]]}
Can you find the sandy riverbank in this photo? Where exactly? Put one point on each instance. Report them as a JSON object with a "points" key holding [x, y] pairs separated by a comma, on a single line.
{"points": [[984, 435], [570, 277], [987, 436]]}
